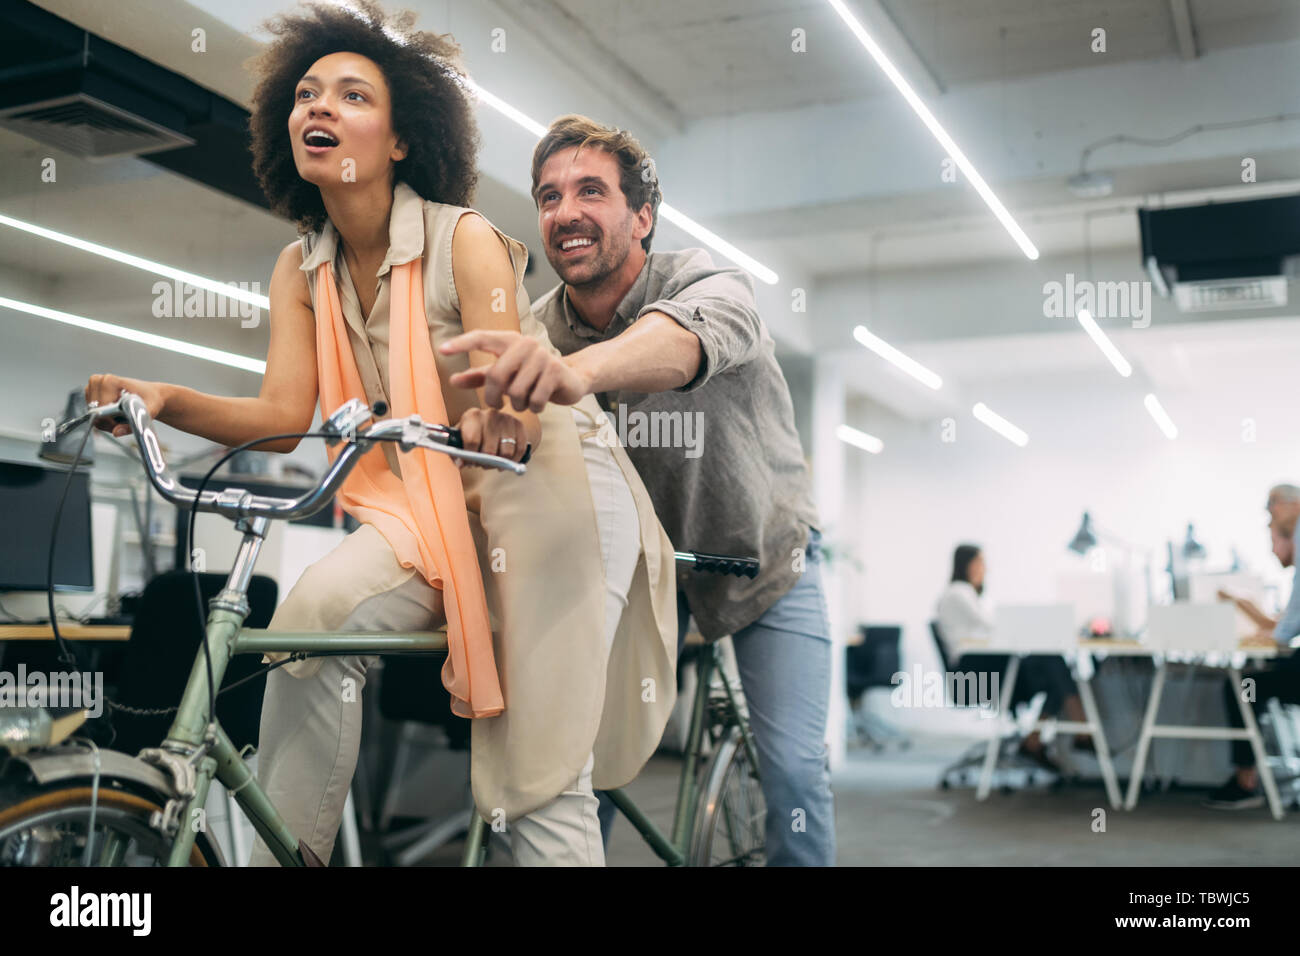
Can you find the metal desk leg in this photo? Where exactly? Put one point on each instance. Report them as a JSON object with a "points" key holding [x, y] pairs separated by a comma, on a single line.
{"points": [[1190, 705], [1144, 738], [995, 740], [1098, 739], [1257, 744]]}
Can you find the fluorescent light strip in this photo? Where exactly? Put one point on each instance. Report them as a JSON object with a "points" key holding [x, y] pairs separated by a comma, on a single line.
{"points": [[939, 133], [1000, 425], [891, 354], [859, 439], [148, 265], [1107, 347], [144, 338], [714, 241], [506, 110], [1161, 417], [670, 213]]}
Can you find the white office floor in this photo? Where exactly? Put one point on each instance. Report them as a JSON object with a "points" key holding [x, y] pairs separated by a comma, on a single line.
{"points": [[889, 812]]}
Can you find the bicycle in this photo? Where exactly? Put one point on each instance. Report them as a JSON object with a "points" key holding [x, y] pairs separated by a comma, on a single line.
{"points": [[57, 792], [718, 819]]}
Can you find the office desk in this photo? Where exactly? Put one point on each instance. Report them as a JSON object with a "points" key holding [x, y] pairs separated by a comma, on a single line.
{"points": [[73, 632], [1090, 726], [1232, 663]]}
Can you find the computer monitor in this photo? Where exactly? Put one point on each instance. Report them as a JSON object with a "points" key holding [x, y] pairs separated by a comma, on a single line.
{"points": [[1092, 593], [29, 496]]}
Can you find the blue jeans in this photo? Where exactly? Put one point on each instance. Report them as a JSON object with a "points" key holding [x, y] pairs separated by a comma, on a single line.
{"points": [[784, 660]]}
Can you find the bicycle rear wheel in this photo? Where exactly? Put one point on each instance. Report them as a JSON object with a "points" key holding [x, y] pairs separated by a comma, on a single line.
{"points": [[50, 826], [729, 828]]}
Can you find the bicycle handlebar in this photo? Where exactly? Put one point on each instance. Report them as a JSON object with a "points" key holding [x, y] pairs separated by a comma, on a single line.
{"points": [[342, 426], [409, 433]]}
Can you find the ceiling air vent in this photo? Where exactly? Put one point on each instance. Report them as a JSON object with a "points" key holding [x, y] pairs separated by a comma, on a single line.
{"points": [[1266, 292], [82, 96], [88, 127], [1218, 257]]}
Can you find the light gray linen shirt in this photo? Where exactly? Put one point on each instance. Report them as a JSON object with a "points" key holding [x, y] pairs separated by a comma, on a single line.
{"points": [[732, 478], [1289, 624]]}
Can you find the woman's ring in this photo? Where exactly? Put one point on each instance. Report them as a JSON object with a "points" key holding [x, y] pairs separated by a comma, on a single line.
{"points": [[508, 441]]}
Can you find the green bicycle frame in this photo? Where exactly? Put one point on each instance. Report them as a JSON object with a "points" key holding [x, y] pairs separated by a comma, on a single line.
{"points": [[196, 750], [674, 850]]}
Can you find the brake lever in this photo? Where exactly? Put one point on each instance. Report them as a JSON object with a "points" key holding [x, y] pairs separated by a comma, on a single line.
{"points": [[417, 434], [452, 436], [351, 415], [112, 410], [474, 457]]}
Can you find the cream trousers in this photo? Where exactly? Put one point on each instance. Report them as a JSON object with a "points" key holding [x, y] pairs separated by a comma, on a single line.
{"points": [[310, 732]]}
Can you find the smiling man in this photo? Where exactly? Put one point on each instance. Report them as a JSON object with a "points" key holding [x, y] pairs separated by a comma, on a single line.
{"points": [[670, 337]]}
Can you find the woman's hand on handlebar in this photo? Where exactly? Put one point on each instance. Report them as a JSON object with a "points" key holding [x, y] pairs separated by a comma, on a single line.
{"points": [[492, 432], [105, 389]]}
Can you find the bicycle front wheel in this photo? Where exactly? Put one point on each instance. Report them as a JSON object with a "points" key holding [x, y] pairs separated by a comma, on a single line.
{"points": [[729, 827], [52, 827]]}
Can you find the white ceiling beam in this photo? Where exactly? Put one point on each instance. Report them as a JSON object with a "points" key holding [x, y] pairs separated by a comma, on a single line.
{"points": [[1183, 29], [567, 38], [899, 47]]}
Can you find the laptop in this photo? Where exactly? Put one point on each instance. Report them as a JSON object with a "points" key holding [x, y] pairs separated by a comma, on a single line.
{"points": [[1192, 627]]}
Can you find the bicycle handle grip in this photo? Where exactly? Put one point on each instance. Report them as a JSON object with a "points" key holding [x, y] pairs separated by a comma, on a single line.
{"points": [[451, 436], [720, 563]]}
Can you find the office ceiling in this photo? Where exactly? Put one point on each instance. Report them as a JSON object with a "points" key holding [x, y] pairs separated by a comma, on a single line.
{"points": [[709, 64], [719, 57]]}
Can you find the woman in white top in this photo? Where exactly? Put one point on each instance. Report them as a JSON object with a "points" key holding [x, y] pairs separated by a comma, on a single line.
{"points": [[962, 612], [963, 615]]}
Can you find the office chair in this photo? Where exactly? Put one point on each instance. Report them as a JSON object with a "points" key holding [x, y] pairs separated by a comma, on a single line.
{"points": [[873, 663], [966, 768], [411, 693], [165, 636]]}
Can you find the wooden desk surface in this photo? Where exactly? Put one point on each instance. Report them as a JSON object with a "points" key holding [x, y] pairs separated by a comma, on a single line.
{"points": [[75, 632], [1114, 646]]}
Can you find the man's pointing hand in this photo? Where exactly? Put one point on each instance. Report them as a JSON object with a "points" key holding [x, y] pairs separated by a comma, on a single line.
{"points": [[523, 371]]}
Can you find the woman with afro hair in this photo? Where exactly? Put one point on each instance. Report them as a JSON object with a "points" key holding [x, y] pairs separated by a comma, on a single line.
{"points": [[557, 587]]}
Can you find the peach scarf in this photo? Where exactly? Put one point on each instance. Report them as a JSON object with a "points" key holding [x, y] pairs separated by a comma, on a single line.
{"points": [[422, 515]]}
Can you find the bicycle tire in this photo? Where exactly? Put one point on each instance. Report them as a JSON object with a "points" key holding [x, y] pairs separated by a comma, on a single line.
{"points": [[730, 771], [120, 809]]}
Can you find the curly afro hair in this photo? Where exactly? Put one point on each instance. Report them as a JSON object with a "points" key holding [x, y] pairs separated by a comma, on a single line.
{"points": [[432, 112]]}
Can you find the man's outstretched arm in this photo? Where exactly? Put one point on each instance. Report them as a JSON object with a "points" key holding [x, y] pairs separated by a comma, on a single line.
{"points": [[655, 354]]}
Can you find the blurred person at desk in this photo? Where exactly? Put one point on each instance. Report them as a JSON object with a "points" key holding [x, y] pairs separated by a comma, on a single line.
{"points": [[964, 616], [1279, 678]]}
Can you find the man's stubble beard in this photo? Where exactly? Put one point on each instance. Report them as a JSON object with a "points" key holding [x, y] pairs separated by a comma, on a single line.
{"points": [[608, 264]]}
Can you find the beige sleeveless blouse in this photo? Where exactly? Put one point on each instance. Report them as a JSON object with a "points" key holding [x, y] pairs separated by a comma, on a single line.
{"points": [[539, 551]]}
